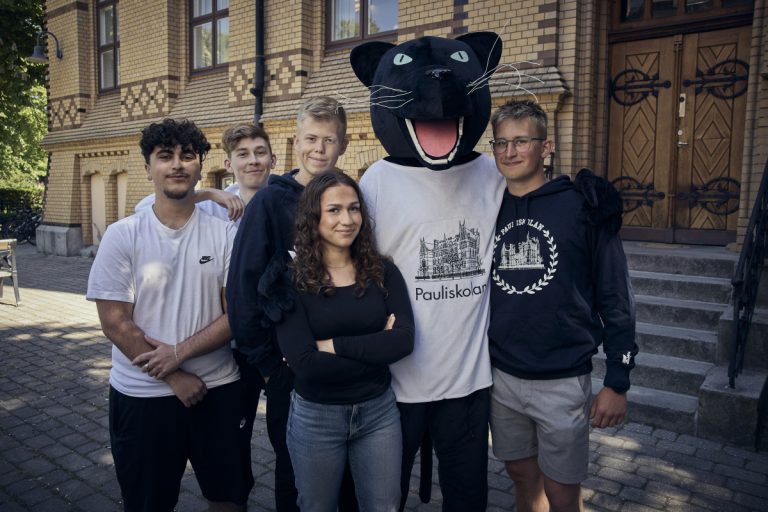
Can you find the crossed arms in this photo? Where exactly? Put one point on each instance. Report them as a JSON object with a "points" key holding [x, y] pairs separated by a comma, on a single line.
{"points": [[117, 323]]}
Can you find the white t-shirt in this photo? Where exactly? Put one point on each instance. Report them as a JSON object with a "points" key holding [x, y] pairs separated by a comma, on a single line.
{"points": [[174, 278], [209, 207], [438, 226]]}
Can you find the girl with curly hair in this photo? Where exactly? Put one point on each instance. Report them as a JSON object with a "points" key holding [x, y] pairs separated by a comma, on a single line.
{"points": [[352, 318]]}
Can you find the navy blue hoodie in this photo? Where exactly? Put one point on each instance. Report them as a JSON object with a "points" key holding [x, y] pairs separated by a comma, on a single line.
{"points": [[560, 287], [263, 240]]}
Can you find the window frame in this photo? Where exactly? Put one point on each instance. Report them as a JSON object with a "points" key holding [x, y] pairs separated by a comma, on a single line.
{"points": [[679, 22], [330, 44], [114, 46], [213, 17]]}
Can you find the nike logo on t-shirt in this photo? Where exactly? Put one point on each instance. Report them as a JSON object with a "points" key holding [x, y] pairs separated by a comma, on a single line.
{"points": [[205, 259]]}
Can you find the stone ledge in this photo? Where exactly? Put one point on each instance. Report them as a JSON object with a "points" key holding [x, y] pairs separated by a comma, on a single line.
{"points": [[59, 240], [727, 414]]}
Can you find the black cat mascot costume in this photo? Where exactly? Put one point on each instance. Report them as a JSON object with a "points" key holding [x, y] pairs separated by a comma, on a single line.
{"points": [[434, 202]]}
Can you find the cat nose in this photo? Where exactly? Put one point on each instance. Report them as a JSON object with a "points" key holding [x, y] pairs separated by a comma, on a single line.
{"points": [[438, 74]]}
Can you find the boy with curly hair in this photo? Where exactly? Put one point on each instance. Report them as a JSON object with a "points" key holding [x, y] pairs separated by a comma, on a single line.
{"points": [[158, 281]]}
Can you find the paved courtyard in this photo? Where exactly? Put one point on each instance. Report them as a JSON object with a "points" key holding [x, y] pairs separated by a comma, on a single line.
{"points": [[54, 443]]}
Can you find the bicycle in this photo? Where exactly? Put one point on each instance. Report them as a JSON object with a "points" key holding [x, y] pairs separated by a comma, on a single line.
{"points": [[24, 226]]}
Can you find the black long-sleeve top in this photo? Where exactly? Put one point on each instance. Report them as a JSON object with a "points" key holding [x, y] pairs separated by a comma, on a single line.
{"points": [[265, 232], [359, 370]]}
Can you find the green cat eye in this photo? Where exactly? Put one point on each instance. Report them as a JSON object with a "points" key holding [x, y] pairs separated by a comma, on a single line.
{"points": [[401, 59], [460, 56]]}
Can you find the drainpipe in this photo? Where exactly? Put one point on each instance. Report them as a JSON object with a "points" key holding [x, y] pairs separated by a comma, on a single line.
{"points": [[258, 78]]}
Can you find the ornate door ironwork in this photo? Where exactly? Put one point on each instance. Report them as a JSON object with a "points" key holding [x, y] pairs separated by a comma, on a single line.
{"points": [[676, 130], [726, 79], [632, 86], [719, 196]]}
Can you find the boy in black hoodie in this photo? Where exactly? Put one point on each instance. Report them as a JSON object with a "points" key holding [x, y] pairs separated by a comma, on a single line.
{"points": [[264, 237], [560, 289]]}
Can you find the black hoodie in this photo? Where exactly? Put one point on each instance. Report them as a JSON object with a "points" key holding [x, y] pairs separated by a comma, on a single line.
{"points": [[560, 288], [263, 240]]}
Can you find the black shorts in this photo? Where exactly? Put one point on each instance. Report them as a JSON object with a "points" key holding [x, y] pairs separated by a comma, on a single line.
{"points": [[152, 439]]}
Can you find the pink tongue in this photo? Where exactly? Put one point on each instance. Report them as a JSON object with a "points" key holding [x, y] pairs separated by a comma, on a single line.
{"points": [[437, 138]]}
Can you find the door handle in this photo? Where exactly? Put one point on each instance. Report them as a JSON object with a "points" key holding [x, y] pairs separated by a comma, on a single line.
{"points": [[682, 98], [681, 106]]}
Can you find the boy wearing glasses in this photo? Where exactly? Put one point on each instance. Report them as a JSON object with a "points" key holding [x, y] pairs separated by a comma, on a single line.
{"points": [[560, 288]]}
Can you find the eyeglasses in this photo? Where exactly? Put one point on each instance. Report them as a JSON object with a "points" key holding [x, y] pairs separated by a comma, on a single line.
{"points": [[521, 144]]}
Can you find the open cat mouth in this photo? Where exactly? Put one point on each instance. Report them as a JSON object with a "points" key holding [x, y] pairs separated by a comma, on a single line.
{"points": [[436, 141]]}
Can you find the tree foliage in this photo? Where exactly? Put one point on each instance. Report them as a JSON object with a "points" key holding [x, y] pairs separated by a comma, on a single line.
{"points": [[22, 95]]}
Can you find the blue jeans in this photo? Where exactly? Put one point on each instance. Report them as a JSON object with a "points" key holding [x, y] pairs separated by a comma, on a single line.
{"points": [[322, 437]]}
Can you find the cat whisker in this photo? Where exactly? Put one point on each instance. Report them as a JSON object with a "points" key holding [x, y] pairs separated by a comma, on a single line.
{"points": [[392, 95], [376, 88], [498, 38], [393, 107], [517, 86], [487, 75], [349, 99], [393, 102], [520, 75]]}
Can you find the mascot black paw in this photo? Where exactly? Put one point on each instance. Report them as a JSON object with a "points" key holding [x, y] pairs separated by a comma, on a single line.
{"points": [[430, 102]]}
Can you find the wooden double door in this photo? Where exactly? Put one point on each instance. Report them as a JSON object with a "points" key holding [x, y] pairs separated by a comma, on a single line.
{"points": [[677, 108]]}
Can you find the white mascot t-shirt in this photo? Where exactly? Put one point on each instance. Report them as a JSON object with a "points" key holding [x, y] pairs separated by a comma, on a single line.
{"points": [[438, 227]]}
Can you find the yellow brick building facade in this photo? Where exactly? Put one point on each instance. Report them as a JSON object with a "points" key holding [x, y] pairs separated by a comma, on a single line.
{"points": [[568, 53]]}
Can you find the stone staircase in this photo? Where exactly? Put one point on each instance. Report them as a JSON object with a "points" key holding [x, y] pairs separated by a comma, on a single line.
{"points": [[684, 333]]}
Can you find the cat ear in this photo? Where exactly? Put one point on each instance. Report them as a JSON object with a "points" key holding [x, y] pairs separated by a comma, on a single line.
{"points": [[487, 46], [365, 59]]}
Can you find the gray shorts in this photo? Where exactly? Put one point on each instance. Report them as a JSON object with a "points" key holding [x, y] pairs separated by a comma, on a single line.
{"points": [[548, 418]]}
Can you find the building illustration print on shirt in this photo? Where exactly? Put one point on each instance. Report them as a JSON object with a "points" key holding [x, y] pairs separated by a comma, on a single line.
{"points": [[538, 252], [452, 257], [526, 255]]}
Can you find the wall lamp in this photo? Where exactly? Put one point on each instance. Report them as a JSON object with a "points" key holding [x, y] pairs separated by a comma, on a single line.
{"points": [[38, 55]]}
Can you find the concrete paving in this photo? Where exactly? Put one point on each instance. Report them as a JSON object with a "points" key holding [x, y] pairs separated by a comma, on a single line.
{"points": [[54, 442]]}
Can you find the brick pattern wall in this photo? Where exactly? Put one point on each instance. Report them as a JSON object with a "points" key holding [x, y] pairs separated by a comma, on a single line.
{"points": [[150, 66], [756, 145], [72, 90], [577, 61], [108, 163], [289, 42], [178, 42], [148, 99], [144, 38], [242, 41], [557, 50], [424, 18], [599, 141], [528, 28], [67, 111], [63, 197]]}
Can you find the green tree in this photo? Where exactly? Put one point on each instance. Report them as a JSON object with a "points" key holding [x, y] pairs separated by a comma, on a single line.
{"points": [[23, 99]]}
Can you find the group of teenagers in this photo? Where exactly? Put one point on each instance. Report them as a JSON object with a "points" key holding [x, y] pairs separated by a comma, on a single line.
{"points": [[311, 287]]}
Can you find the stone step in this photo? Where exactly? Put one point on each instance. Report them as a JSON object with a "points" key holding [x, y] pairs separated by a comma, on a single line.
{"points": [[663, 409], [731, 414], [680, 259], [684, 376], [677, 341], [680, 286], [756, 355], [678, 312]]}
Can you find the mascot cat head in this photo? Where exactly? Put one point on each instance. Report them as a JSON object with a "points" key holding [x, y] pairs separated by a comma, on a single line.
{"points": [[429, 100]]}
